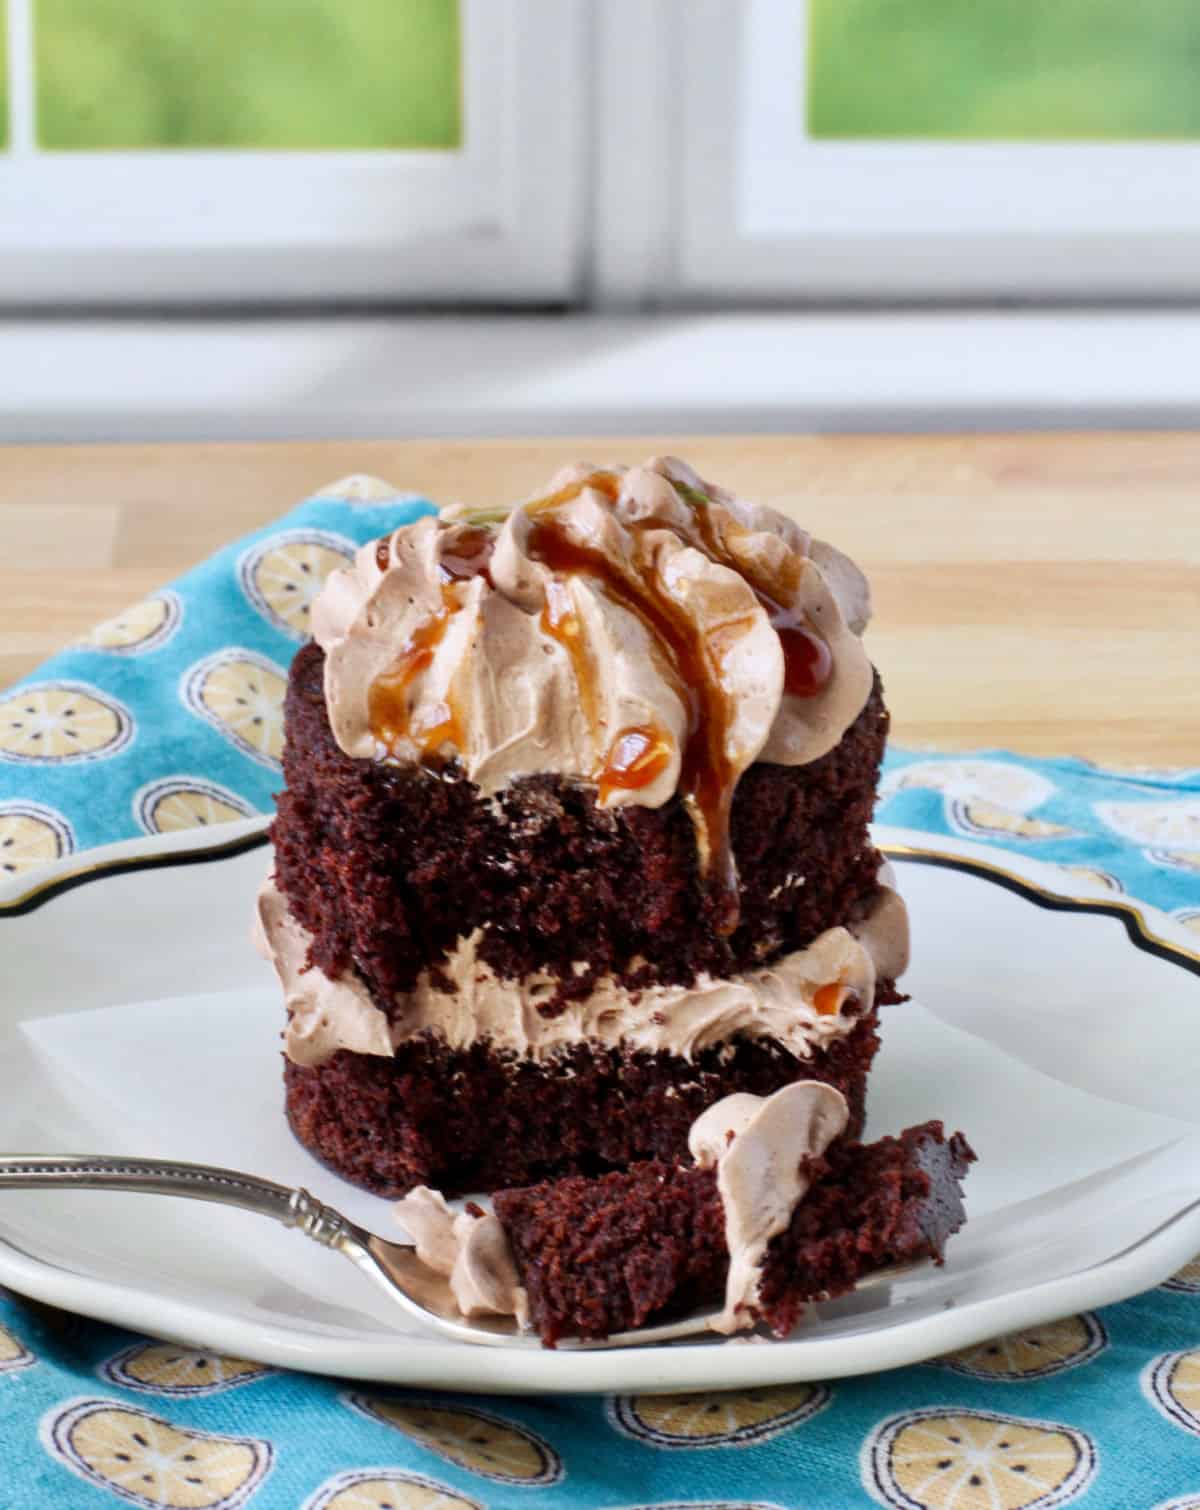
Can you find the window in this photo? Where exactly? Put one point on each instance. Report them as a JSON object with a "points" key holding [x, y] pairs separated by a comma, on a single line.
{"points": [[267, 149], [877, 148], [509, 151]]}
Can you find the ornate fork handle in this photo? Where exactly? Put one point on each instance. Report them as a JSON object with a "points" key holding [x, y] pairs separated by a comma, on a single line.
{"points": [[197, 1182]]}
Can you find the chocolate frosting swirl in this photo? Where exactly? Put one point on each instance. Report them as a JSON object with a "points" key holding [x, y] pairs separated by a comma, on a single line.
{"points": [[507, 686]]}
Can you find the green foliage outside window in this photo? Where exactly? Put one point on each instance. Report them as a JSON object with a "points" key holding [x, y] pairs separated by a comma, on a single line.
{"points": [[1004, 70], [298, 74]]}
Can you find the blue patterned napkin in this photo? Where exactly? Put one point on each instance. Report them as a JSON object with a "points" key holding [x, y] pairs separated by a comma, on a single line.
{"points": [[170, 716]]}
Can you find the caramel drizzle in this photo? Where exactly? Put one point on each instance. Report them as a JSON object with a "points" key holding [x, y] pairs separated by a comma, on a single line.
{"points": [[471, 555], [828, 999], [637, 756], [561, 622], [389, 701], [807, 660], [635, 759], [706, 778], [608, 483]]}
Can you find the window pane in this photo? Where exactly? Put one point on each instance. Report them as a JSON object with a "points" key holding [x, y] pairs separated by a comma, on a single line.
{"points": [[1004, 69], [247, 73]]}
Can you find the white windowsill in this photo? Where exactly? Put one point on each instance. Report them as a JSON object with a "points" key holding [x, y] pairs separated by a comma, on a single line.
{"points": [[285, 377]]}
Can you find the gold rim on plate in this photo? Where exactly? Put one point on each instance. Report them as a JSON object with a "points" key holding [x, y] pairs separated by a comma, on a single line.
{"points": [[1138, 929]]}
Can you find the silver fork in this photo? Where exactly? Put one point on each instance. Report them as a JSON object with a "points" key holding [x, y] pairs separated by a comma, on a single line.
{"points": [[393, 1267]]}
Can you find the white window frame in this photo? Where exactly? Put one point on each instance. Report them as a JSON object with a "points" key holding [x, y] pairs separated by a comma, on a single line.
{"points": [[495, 221], [736, 202]]}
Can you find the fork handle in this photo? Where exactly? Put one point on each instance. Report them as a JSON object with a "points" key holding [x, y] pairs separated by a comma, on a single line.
{"points": [[197, 1182]]}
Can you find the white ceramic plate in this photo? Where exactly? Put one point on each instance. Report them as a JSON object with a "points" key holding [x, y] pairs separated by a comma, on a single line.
{"points": [[1056, 1024]]}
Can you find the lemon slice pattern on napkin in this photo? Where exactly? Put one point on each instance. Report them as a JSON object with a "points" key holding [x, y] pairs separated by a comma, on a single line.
{"points": [[32, 835], [986, 799], [148, 1461], [180, 802], [51, 723], [387, 1489], [13, 1353], [281, 577], [1104, 878], [162, 1368], [240, 693], [1035, 1353], [143, 626], [729, 1418], [1175, 859], [989, 820], [704, 1505], [1186, 1279], [1172, 1385], [473, 1439], [948, 1459], [1169, 831]]}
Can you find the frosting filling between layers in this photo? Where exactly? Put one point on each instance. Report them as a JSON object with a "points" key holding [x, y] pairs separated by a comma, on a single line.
{"points": [[803, 1001]]}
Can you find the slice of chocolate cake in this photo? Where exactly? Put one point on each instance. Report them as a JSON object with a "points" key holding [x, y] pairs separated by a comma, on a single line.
{"points": [[574, 837], [778, 1210]]}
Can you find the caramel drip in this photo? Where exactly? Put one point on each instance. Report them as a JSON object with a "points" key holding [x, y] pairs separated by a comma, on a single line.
{"points": [[706, 779], [559, 619], [465, 554], [561, 623], [470, 555], [807, 661], [608, 483], [827, 1000], [389, 701], [637, 757]]}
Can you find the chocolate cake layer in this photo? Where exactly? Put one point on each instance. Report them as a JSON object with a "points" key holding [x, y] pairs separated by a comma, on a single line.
{"points": [[891, 1202], [469, 1120], [606, 1255], [386, 867]]}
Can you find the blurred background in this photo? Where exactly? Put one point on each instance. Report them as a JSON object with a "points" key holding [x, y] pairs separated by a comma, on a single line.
{"points": [[387, 74], [389, 217], [327, 75], [1004, 70]]}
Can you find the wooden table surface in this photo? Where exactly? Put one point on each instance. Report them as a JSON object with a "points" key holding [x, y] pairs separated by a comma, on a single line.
{"points": [[1039, 592]]}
